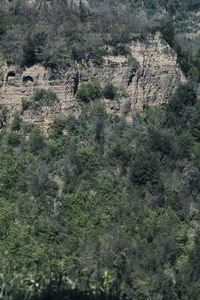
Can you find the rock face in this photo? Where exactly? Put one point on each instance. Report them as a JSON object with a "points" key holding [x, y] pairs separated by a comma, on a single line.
{"points": [[45, 4], [159, 74], [152, 82]]}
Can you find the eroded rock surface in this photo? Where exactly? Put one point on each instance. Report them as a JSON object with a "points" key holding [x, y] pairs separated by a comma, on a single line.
{"points": [[152, 83]]}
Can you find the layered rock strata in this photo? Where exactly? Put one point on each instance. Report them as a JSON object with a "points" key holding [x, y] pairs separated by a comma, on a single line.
{"points": [[152, 82]]}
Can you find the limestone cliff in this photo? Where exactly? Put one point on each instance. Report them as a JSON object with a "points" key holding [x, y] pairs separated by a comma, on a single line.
{"points": [[45, 4], [152, 83]]}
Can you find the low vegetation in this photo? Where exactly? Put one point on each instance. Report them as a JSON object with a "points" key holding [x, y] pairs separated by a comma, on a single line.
{"points": [[40, 98]]}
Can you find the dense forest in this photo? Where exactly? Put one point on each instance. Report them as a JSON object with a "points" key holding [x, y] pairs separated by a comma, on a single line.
{"points": [[98, 208], [101, 209]]}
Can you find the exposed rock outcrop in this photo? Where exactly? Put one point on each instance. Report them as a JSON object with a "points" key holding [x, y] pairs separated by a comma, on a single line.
{"points": [[152, 83], [45, 4]]}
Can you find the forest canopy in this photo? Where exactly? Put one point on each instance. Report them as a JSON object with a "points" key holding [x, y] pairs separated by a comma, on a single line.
{"points": [[110, 210], [96, 207]]}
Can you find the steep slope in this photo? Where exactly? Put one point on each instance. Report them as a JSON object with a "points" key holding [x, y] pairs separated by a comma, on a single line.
{"points": [[149, 75]]}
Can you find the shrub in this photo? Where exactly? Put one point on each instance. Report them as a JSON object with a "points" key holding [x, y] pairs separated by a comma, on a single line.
{"points": [[3, 23], [87, 158], [133, 62], [27, 127], [144, 167], [120, 50], [36, 140], [16, 123], [28, 52], [185, 143], [59, 125], [89, 91], [110, 92], [184, 97], [77, 53], [167, 30], [25, 104], [13, 139], [43, 98], [39, 37]]}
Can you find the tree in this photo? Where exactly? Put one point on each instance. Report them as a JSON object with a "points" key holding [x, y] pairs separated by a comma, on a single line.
{"points": [[3, 23], [110, 91], [13, 139], [178, 109], [167, 30], [16, 123], [36, 140], [90, 91], [29, 56]]}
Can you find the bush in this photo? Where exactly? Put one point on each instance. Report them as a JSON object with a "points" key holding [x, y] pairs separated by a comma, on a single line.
{"points": [[87, 158], [16, 123], [77, 53], [185, 143], [25, 104], [120, 50], [43, 98], [144, 167], [39, 37], [133, 62], [110, 92], [184, 97], [3, 23], [29, 57], [167, 30], [13, 139], [36, 140], [89, 91], [59, 125]]}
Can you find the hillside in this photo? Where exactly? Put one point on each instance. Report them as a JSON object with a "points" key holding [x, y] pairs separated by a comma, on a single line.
{"points": [[148, 73], [99, 150]]}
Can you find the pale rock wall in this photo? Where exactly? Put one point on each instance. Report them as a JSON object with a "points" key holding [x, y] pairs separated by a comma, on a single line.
{"points": [[159, 74], [45, 4], [153, 83]]}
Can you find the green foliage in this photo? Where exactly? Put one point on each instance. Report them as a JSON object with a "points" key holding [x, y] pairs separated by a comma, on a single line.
{"points": [[120, 50], [13, 139], [41, 98], [90, 91], [176, 112], [77, 53], [16, 123], [82, 37], [3, 23], [99, 209], [28, 52], [109, 91], [167, 30], [33, 46], [25, 104], [87, 158], [59, 125], [185, 142], [132, 61], [9, 173], [144, 167], [103, 206], [36, 140]]}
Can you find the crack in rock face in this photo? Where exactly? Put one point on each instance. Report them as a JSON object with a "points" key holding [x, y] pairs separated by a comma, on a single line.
{"points": [[153, 82]]}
